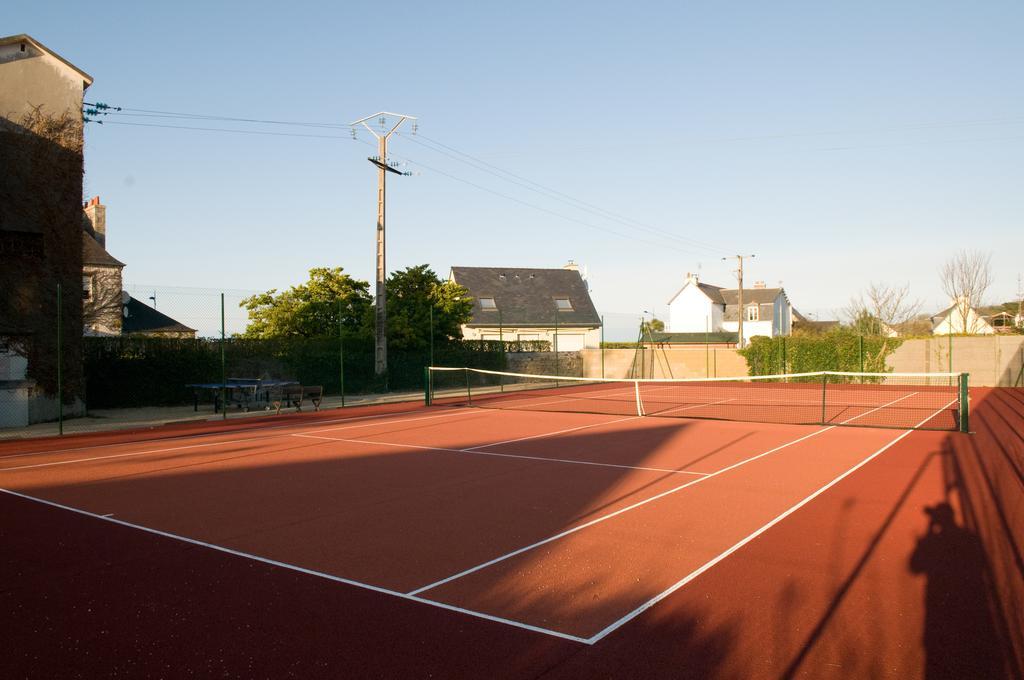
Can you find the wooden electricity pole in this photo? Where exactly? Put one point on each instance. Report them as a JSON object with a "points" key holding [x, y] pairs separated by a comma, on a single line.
{"points": [[739, 297], [380, 292]]}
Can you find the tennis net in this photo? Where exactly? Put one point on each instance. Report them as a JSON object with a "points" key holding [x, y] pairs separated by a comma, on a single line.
{"points": [[930, 401]]}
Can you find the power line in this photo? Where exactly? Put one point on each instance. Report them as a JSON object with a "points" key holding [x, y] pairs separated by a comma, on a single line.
{"points": [[238, 132], [554, 194]]}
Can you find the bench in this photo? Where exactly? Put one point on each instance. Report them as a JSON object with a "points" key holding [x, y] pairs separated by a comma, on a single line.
{"points": [[315, 394], [286, 396], [292, 395]]}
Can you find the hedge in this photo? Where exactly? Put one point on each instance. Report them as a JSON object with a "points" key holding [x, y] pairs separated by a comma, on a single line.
{"points": [[132, 371], [837, 350]]}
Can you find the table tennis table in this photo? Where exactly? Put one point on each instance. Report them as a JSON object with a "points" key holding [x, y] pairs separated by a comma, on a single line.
{"points": [[246, 393]]}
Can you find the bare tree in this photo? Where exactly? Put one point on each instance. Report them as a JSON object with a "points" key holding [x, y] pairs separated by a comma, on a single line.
{"points": [[882, 308], [965, 278]]}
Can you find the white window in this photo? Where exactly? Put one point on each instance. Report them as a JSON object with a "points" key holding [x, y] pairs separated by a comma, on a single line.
{"points": [[487, 304], [86, 287], [753, 313], [563, 304], [524, 337]]}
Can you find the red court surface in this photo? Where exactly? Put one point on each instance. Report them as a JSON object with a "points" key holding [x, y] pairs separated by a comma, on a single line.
{"points": [[467, 542]]}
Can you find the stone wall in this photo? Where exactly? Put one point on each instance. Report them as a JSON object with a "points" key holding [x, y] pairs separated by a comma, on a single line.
{"points": [[544, 363]]}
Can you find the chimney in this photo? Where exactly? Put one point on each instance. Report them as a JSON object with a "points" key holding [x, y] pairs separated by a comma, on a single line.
{"points": [[759, 285], [571, 266], [96, 214], [691, 277]]}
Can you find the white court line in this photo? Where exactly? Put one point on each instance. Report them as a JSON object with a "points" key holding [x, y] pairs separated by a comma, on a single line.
{"points": [[494, 454], [549, 434], [301, 570], [739, 544], [132, 454], [687, 408], [201, 435], [638, 504]]}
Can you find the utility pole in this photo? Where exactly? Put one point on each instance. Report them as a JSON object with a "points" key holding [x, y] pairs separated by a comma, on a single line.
{"points": [[739, 297], [383, 168], [1020, 303]]}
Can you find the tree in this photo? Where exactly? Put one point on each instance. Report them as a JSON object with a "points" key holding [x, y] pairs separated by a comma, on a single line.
{"points": [[310, 309], [881, 309], [657, 325], [965, 278], [412, 294]]}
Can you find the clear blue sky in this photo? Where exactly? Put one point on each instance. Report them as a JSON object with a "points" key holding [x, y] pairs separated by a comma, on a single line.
{"points": [[840, 142]]}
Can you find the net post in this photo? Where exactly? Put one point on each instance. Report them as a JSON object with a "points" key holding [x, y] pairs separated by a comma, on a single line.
{"points": [[426, 385], [223, 365], [501, 342], [60, 363], [639, 404], [469, 390], [824, 383], [964, 399]]}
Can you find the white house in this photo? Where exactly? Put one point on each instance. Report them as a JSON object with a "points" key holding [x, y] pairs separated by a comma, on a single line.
{"points": [[960, 318], [701, 307]]}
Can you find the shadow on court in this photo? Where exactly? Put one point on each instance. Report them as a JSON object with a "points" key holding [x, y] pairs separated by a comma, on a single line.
{"points": [[859, 583]]}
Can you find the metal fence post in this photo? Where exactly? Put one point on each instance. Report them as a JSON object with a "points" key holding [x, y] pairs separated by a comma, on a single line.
{"points": [[949, 353], [707, 347], [341, 353], [223, 364], [556, 342], [860, 350], [501, 342], [60, 361], [431, 334], [602, 345]]}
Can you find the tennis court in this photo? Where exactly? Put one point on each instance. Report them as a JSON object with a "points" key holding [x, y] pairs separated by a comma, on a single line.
{"points": [[528, 511]]}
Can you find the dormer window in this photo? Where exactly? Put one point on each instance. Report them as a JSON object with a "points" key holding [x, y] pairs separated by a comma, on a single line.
{"points": [[487, 304], [563, 304], [753, 313]]}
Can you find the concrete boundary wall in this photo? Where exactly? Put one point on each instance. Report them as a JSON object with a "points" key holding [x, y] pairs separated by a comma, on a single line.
{"points": [[697, 362], [992, 360]]}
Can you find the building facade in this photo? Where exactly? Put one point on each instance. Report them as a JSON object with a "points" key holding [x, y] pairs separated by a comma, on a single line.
{"points": [[703, 308], [41, 143], [512, 303]]}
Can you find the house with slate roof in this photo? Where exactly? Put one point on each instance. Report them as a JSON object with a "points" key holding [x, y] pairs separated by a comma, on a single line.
{"points": [[516, 303], [960, 318], [108, 310], [699, 308]]}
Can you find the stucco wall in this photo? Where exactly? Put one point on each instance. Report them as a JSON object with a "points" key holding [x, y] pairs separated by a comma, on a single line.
{"points": [[692, 312], [32, 79], [675, 363], [992, 360]]}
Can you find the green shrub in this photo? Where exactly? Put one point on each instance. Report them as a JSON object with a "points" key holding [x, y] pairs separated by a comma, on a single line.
{"points": [[840, 349]]}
